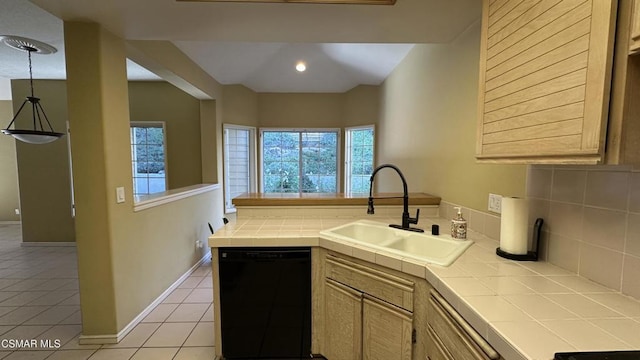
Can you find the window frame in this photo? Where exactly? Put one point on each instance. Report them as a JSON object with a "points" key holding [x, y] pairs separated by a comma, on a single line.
{"points": [[150, 124], [337, 131], [253, 180], [347, 152]]}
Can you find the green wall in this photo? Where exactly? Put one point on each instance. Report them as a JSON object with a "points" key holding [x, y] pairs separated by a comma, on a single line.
{"points": [[43, 170], [46, 204], [428, 126], [161, 101], [9, 197]]}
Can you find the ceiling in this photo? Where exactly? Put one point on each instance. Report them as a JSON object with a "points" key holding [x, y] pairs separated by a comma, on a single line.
{"points": [[255, 44]]}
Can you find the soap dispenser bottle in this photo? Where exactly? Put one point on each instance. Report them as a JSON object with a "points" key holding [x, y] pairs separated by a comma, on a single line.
{"points": [[459, 226]]}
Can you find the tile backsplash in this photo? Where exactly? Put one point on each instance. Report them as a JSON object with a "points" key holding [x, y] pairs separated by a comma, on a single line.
{"points": [[592, 221]]}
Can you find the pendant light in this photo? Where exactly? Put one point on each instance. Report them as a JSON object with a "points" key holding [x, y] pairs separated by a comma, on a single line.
{"points": [[38, 134]]}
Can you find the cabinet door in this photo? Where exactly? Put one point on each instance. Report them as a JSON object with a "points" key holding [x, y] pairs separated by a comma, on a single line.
{"points": [[634, 45], [454, 334], [386, 331], [343, 322], [435, 348], [545, 78]]}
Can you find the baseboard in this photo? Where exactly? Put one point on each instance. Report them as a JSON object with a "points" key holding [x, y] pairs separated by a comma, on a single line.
{"points": [[47, 243], [116, 338], [10, 222]]}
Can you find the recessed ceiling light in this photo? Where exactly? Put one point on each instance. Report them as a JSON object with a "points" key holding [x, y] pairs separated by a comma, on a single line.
{"points": [[301, 66]]}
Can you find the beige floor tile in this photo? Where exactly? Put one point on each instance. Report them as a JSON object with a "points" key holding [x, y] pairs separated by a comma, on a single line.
{"points": [[141, 333], [195, 353], [71, 355], [52, 316], [5, 328], [74, 344], [188, 313], [208, 315], [113, 354], [160, 313], [73, 300], [202, 335], [53, 298], [62, 333], [23, 298], [206, 283], [155, 354], [25, 332], [177, 296], [200, 296], [28, 355], [21, 314], [73, 319], [170, 335], [191, 282]]}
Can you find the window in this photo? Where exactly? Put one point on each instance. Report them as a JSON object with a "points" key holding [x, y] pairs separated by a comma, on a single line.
{"points": [[239, 162], [358, 159], [299, 161], [148, 156]]}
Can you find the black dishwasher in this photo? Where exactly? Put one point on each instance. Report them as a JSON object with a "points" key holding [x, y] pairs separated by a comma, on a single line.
{"points": [[265, 303]]}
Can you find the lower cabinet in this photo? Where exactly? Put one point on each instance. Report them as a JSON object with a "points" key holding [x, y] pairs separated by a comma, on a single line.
{"points": [[343, 322], [386, 331], [450, 337], [358, 325]]}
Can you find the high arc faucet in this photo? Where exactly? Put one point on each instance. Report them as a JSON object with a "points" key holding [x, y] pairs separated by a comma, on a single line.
{"points": [[407, 220]]}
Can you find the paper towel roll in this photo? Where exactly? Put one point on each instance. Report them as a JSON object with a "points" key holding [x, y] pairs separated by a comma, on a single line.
{"points": [[513, 226]]}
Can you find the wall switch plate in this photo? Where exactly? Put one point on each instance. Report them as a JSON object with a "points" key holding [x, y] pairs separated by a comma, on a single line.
{"points": [[495, 203], [120, 195], [17, 211]]}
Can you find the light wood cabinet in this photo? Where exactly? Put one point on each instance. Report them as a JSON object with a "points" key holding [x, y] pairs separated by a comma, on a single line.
{"points": [[623, 134], [545, 78], [451, 337], [386, 331], [367, 313], [634, 38], [343, 322]]}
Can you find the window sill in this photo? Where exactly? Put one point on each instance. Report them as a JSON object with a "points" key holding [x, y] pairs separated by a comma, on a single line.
{"points": [[148, 201]]}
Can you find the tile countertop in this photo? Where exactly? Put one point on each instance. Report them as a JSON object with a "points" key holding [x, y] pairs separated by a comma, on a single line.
{"points": [[525, 310]]}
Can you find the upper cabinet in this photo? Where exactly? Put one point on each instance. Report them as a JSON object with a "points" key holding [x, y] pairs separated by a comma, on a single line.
{"points": [[623, 133], [545, 79], [634, 41]]}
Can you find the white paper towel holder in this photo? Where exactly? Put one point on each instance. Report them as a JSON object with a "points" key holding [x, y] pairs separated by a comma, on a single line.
{"points": [[530, 255]]}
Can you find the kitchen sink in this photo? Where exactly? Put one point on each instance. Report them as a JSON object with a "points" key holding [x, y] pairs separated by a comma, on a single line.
{"points": [[439, 250]]}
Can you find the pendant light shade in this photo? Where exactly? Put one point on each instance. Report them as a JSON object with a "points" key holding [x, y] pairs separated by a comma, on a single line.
{"points": [[38, 133]]}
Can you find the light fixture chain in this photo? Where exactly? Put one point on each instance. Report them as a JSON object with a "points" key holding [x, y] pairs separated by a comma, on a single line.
{"points": [[30, 73]]}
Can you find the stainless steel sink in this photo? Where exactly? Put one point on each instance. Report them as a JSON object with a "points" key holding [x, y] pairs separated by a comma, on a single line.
{"points": [[440, 250]]}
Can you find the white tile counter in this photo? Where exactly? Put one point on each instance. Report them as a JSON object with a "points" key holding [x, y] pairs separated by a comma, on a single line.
{"points": [[525, 310]]}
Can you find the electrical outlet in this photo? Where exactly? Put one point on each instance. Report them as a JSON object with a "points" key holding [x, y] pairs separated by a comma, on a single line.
{"points": [[17, 211], [495, 203], [198, 244]]}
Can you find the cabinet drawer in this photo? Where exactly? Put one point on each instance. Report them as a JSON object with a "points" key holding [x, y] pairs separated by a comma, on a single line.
{"points": [[455, 334], [392, 289], [435, 349]]}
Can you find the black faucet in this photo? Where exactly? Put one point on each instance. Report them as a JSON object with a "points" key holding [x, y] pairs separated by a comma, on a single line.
{"points": [[406, 219]]}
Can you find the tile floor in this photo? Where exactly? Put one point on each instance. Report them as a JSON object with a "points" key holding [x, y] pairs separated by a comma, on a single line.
{"points": [[39, 300]]}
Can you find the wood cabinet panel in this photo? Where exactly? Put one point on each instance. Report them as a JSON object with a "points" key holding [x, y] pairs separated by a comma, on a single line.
{"points": [[386, 331], [435, 348], [623, 133], [389, 288], [343, 322], [458, 337], [540, 61], [634, 43]]}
